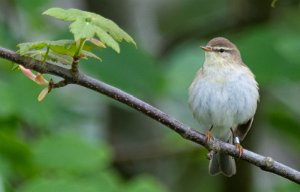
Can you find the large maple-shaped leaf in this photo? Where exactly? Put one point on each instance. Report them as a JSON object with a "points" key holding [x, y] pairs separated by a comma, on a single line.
{"points": [[86, 25]]}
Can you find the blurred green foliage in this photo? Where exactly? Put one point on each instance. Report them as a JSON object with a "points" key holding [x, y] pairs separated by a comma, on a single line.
{"points": [[65, 142], [132, 70]]}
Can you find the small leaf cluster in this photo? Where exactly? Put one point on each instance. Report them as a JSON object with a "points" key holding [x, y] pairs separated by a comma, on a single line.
{"points": [[89, 30], [60, 51], [85, 27]]}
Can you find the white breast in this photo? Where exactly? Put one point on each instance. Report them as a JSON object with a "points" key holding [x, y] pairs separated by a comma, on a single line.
{"points": [[223, 96]]}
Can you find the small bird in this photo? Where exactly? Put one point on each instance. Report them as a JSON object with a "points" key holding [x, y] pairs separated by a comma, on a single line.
{"points": [[223, 98]]}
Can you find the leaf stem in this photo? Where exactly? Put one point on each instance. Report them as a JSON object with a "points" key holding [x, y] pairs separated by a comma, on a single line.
{"points": [[76, 57], [80, 47], [46, 54]]}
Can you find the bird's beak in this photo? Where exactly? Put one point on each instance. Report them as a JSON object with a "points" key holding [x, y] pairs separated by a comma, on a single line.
{"points": [[206, 48]]}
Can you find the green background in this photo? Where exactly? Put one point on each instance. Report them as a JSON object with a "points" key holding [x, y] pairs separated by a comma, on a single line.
{"points": [[78, 140]]}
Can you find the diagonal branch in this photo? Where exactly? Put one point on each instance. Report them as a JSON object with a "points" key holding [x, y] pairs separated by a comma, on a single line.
{"points": [[265, 163]]}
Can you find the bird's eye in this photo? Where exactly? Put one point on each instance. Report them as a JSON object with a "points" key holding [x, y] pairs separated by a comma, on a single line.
{"points": [[221, 50]]}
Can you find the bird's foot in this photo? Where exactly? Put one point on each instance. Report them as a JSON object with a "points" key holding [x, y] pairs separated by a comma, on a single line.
{"points": [[237, 143], [208, 135], [238, 146]]}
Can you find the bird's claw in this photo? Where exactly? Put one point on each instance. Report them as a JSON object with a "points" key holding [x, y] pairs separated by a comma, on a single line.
{"points": [[238, 146], [240, 149], [208, 135]]}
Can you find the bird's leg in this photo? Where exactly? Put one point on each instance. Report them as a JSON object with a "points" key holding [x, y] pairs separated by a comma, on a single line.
{"points": [[239, 147], [208, 135], [236, 142]]}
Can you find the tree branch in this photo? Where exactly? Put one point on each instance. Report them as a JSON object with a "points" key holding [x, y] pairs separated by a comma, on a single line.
{"points": [[265, 163]]}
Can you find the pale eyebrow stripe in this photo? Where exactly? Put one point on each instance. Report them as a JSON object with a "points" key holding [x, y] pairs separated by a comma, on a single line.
{"points": [[225, 48]]}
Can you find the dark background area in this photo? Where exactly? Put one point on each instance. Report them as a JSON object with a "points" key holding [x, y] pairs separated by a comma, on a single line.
{"points": [[78, 140]]}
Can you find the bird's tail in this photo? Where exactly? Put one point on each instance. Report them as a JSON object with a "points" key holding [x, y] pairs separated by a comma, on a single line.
{"points": [[222, 163]]}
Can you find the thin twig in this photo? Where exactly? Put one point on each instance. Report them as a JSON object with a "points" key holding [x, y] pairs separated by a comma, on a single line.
{"points": [[265, 163], [59, 84], [76, 58], [74, 66]]}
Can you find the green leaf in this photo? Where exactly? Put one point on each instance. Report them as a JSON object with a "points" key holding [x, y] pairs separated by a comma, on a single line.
{"points": [[67, 47], [82, 29], [61, 51], [36, 54], [60, 58], [86, 25], [107, 39], [24, 48], [66, 15], [63, 45], [114, 30]]}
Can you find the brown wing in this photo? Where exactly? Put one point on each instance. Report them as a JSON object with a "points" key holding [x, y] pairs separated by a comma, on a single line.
{"points": [[243, 129]]}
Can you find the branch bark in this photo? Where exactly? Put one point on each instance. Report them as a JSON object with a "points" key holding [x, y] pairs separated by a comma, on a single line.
{"points": [[265, 163]]}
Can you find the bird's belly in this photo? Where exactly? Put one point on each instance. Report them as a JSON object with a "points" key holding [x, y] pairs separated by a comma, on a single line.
{"points": [[222, 103]]}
